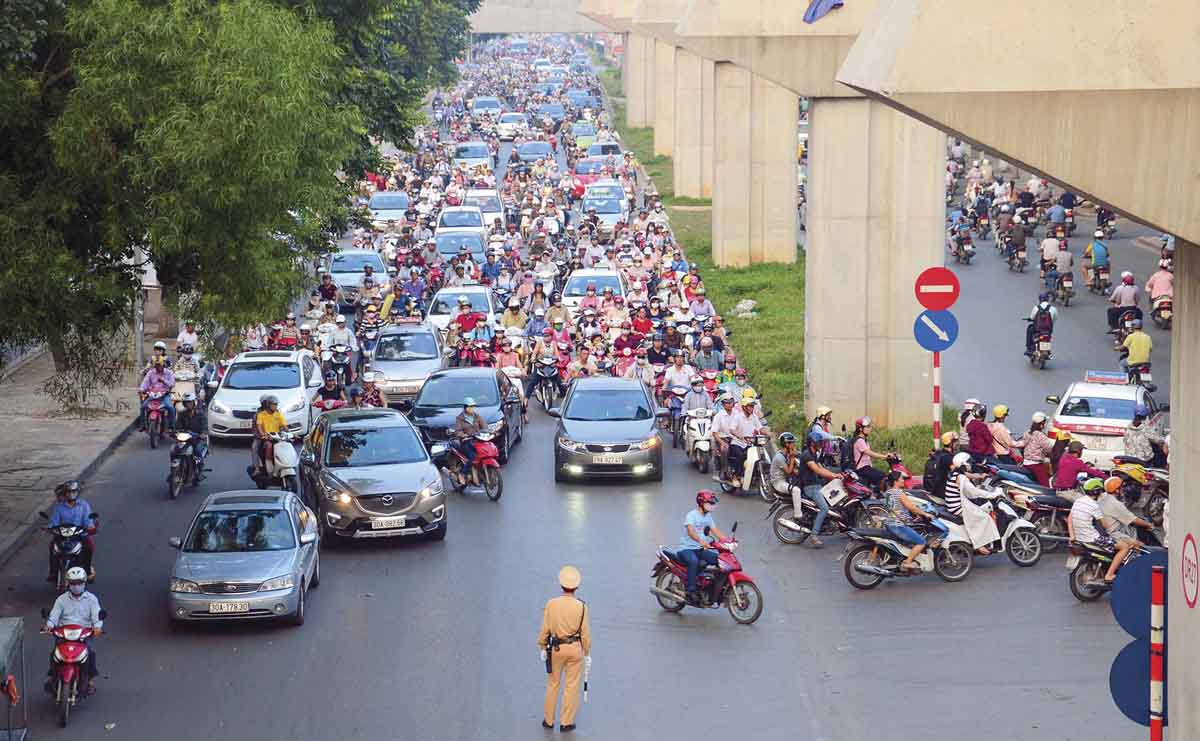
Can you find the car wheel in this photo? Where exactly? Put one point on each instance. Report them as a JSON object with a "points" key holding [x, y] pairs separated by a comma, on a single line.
{"points": [[439, 533], [316, 575], [504, 449], [297, 618]]}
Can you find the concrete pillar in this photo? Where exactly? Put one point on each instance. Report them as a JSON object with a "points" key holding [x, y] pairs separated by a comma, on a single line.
{"points": [[639, 102], [1183, 620], [625, 66], [664, 99], [754, 169], [876, 214], [693, 157]]}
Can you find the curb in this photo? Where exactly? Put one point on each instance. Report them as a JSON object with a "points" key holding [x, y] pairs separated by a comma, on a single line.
{"points": [[32, 522], [11, 369]]}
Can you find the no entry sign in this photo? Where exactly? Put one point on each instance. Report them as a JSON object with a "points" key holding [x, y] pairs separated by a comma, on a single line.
{"points": [[937, 289], [1190, 571]]}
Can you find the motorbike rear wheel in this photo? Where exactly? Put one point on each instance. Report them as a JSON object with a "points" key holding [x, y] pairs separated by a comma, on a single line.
{"points": [[860, 554], [1045, 524], [669, 582], [953, 562], [493, 483], [154, 430], [1080, 581], [744, 601], [702, 461], [786, 535], [65, 693]]}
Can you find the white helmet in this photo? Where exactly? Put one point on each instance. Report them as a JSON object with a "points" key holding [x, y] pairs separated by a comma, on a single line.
{"points": [[76, 573], [1098, 234], [960, 460], [1044, 306], [160, 345], [1038, 418]]}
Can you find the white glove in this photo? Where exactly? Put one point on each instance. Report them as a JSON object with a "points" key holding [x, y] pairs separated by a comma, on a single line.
{"points": [[587, 663], [543, 655]]}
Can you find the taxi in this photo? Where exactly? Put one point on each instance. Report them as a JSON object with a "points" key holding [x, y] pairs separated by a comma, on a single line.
{"points": [[1096, 411]]}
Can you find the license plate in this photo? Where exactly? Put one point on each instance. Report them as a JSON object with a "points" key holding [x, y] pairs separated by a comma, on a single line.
{"points": [[1146, 377], [1166, 314], [1020, 254], [601, 459], [386, 523], [225, 608], [1044, 346]]}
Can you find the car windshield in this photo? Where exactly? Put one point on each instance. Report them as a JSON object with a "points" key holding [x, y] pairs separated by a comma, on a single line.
{"points": [[605, 191], [603, 148], [472, 152], [484, 103], [389, 201], [448, 244], [534, 149], [512, 118], [578, 284], [1099, 408], [234, 531], [378, 446], [490, 204], [602, 205], [461, 219], [445, 303], [263, 375], [450, 390], [406, 346], [354, 262], [608, 405], [588, 167]]}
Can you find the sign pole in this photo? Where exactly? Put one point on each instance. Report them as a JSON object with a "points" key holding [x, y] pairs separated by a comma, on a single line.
{"points": [[937, 401], [1157, 639]]}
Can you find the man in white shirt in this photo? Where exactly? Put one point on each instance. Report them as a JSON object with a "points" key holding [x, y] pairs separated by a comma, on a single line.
{"points": [[77, 606], [678, 373], [1085, 512], [187, 335], [722, 430]]}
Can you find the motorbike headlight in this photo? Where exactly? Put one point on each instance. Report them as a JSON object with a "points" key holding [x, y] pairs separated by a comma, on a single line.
{"points": [[568, 444], [183, 585], [647, 444], [295, 406], [279, 582], [218, 408], [496, 426]]}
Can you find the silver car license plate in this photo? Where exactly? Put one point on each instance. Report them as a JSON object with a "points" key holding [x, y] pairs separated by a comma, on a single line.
{"points": [[608, 459], [225, 608], [386, 523]]}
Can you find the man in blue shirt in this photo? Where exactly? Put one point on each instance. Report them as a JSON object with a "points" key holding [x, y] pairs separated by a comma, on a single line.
{"points": [[71, 509], [695, 547]]}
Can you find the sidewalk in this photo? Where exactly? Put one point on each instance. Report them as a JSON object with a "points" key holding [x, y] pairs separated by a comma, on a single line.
{"points": [[43, 448]]}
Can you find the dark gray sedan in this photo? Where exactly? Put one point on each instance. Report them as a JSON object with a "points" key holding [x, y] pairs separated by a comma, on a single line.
{"points": [[607, 428]]}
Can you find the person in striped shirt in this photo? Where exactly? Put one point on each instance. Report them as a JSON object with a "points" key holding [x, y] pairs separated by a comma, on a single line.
{"points": [[960, 490]]}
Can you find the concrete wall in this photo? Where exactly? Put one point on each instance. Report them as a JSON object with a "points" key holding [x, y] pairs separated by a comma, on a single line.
{"points": [[876, 215], [639, 101], [694, 125], [664, 99], [532, 16]]}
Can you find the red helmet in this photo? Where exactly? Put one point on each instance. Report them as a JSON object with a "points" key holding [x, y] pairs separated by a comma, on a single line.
{"points": [[706, 496]]}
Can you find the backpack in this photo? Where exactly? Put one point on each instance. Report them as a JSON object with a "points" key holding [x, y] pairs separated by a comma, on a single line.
{"points": [[933, 476], [1043, 321]]}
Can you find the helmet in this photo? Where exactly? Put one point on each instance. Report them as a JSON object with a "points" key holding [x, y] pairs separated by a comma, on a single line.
{"points": [[787, 438], [514, 303], [1098, 234], [306, 327], [266, 399], [948, 438], [160, 345], [1093, 486], [862, 422], [330, 376], [1141, 411], [748, 396], [76, 574], [980, 411], [695, 379], [726, 398], [704, 496], [468, 402], [185, 349], [463, 300], [740, 373], [1000, 411], [69, 489], [960, 459], [188, 396], [1135, 323], [814, 439], [1038, 418], [340, 319], [970, 404], [1127, 278], [823, 411], [1112, 484]]}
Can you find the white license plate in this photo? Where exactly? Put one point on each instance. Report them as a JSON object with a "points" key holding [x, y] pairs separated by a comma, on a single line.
{"points": [[228, 607], [1166, 314], [1146, 378], [386, 523], [1044, 346], [601, 459], [1020, 254]]}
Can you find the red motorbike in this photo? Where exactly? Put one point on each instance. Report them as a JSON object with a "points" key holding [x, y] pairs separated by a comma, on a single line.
{"points": [[156, 420], [485, 469], [327, 405], [68, 680], [722, 585]]}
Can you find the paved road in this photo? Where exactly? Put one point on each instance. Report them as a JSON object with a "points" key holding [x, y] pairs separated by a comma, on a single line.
{"points": [[987, 361], [436, 640]]}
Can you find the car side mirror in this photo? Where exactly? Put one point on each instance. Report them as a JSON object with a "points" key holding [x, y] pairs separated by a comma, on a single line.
{"points": [[405, 405], [1164, 408], [175, 542], [662, 413], [308, 538], [1052, 399], [213, 384], [554, 412], [438, 451]]}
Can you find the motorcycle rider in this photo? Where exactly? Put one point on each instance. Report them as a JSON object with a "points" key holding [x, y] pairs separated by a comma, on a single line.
{"points": [[744, 424], [960, 491], [1042, 317], [1070, 465], [1161, 284], [159, 379], [159, 351], [72, 509], [678, 374], [863, 455], [1002, 440], [907, 512], [697, 397], [267, 421], [1140, 439], [1124, 298], [1136, 347], [467, 424], [372, 395], [1095, 255], [513, 316], [937, 468], [980, 443], [329, 390], [787, 465], [708, 358], [699, 533], [76, 606], [1085, 512], [193, 419], [1038, 446]]}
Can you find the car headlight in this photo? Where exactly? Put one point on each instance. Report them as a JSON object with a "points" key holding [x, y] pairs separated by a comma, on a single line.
{"points": [[569, 444], [647, 444], [496, 426], [432, 490], [279, 582], [183, 585], [218, 408], [295, 406]]}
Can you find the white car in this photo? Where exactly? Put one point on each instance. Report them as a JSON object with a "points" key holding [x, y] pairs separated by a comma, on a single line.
{"points": [[460, 219], [486, 105], [511, 125], [470, 155], [1097, 410], [291, 377], [445, 302], [576, 288], [487, 200]]}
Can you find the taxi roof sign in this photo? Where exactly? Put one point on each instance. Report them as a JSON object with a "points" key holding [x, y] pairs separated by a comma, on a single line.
{"points": [[1111, 377]]}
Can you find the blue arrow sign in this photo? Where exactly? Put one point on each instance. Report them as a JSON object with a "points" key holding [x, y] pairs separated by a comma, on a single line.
{"points": [[935, 331]]}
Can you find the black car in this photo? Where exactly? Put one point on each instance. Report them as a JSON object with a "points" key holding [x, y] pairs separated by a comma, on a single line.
{"points": [[440, 401]]}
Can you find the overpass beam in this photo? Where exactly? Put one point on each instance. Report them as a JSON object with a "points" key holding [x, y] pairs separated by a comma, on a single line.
{"points": [[694, 130], [754, 169], [664, 99], [639, 100], [876, 217]]}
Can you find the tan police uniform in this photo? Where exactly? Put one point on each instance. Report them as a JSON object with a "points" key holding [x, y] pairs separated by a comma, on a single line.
{"points": [[566, 618]]}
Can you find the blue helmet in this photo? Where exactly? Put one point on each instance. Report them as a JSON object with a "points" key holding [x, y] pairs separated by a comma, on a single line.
{"points": [[1141, 411]]}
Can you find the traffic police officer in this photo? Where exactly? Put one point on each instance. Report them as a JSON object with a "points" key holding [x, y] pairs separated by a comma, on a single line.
{"points": [[566, 639]]}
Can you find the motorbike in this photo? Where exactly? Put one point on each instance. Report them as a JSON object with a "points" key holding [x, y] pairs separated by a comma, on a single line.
{"points": [[327, 405], [156, 417], [486, 466], [1162, 311], [1042, 343], [1045, 509], [282, 464], [964, 250], [1017, 259], [675, 404], [723, 585], [185, 463], [875, 554], [1070, 221], [338, 359], [1019, 539], [1065, 290], [70, 656], [67, 547], [755, 471], [697, 438], [851, 505], [1139, 375], [1142, 490], [1088, 563], [546, 388], [1100, 281], [983, 228]]}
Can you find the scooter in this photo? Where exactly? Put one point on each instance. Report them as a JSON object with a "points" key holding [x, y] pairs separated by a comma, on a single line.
{"points": [[723, 585], [1139, 375], [1066, 289], [697, 438], [1042, 343], [1017, 260], [1162, 311], [70, 657], [675, 404], [1100, 281], [156, 417], [185, 464], [875, 554], [486, 467], [338, 359], [67, 547], [1045, 510], [327, 405], [1020, 539], [755, 471], [546, 389], [282, 464]]}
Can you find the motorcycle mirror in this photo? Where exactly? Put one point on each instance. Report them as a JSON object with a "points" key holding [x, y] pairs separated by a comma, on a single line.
{"points": [[843, 428], [94, 516], [45, 614], [1164, 407], [175, 542], [43, 515], [405, 405], [734, 528], [307, 456], [554, 412], [103, 614]]}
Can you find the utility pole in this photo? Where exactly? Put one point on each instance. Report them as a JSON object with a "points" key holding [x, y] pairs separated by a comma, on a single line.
{"points": [[139, 308]]}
